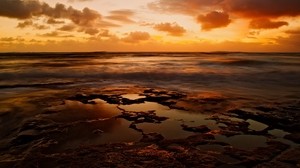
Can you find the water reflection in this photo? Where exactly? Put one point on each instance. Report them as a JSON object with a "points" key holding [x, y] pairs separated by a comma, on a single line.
{"points": [[75, 111]]}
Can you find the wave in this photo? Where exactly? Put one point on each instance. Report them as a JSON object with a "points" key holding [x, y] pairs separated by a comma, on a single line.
{"points": [[35, 85]]}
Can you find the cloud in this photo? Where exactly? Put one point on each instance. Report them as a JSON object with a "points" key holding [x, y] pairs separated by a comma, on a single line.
{"points": [[86, 17], [12, 39], [136, 37], [245, 8], [292, 42], [263, 8], [296, 31], [54, 21], [26, 9], [172, 29], [213, 20], [68, 27], [90, 31], [29, 23], [79, 1], [104, 33], [264, 23], [55, 34], [183, 6], [24, 24], [20, 9], [121, 16]]}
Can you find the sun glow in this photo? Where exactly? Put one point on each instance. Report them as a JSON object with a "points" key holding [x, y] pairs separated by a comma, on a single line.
{"points": [[149, 25]]}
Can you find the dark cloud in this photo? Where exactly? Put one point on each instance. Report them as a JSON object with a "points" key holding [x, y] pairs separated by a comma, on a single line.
{"points": [[121, 15], [79, 1], [136, 37], [292, 42], [104, 33], [263, 8], [20, 9], [87, 20], [68, 27], [172, 29], [90, 31], [296, 31], [213, 20], [12, 39], [54, 21], [29, 23], [55, 34], [183, 6], [86, 17], [264, 23], [26, 9], [24, 24], [245, 8]]}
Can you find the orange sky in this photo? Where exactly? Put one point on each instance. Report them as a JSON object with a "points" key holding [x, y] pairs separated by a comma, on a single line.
{"points": [[150, 25]]}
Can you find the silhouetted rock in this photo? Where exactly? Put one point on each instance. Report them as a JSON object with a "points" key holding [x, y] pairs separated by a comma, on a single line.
{"points": [[295, 137], [152, 137], [200, 129]]}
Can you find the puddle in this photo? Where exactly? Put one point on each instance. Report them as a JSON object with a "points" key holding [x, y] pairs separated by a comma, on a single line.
{"points": [[170, 129], [244, 141], [147, 106], [255, 125], [216, 148], [133, 96], [110, 131], [181, 116], [75, 111], [113, 129], [278, 133]]}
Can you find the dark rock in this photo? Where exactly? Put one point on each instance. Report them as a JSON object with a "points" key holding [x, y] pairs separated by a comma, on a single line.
{"points": [[292, 156], [152, 137], [295, 137], [200, 129], [200, 138], [142, 117], [265, 109], [98, 131], [258, 155], [25, 137]]}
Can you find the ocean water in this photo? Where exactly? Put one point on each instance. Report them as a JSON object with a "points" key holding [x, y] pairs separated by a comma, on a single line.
{"points": [[269, 74]]}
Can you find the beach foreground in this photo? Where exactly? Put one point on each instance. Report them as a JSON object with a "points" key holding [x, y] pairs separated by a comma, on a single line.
{"points": [[218, 115]]}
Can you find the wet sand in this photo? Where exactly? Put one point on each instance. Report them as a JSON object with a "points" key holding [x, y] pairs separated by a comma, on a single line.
{"points": [[142, 126]]}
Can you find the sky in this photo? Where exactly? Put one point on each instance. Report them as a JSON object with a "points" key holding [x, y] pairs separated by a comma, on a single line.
{"points": [[149, 25]]}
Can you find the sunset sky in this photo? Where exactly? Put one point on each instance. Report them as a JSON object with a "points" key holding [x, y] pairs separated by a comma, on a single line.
{"points": [[150, 25]]}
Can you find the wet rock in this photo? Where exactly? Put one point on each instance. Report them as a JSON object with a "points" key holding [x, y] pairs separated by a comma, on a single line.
{"points": [[258, 155], [152, 137], [176, 148], [142, 117], [276, 164], [98, 131], [265, 109], [4, 113], [225, 132], [295, 137], [133, 126], [292, 156], [231, 126], [25, 137], [200, 129], [125, 101], [199, 139]]}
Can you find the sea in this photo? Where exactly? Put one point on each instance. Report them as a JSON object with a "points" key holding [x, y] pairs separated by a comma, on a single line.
{"points": [[258, 74]]}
